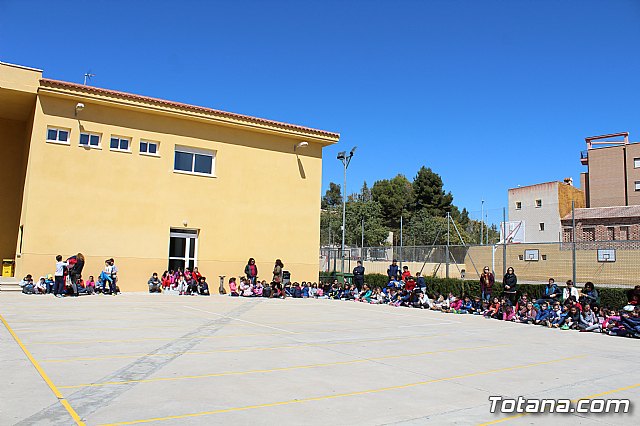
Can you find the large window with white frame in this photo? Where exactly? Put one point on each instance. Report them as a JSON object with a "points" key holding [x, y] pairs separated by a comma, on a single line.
{"points": [[119, 143], [90, 140], [636, 163], [195, 161], [183, 249], [58, 135], [149, 148]]}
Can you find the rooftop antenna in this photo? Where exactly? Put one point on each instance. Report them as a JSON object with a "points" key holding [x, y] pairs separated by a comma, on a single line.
{"points": [[87, 77]]}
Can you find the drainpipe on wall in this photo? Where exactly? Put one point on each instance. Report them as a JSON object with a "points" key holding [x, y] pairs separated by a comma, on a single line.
{"points": [[626, 184]]}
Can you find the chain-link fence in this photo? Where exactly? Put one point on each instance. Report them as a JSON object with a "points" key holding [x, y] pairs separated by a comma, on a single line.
{"points": [[606, 263]]}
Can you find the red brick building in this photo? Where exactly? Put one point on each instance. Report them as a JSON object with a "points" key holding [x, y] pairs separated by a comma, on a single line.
{"points": [[620, 223]]}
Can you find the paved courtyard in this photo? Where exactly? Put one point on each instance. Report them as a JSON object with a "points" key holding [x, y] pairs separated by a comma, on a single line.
{"points": [[140, 358]]}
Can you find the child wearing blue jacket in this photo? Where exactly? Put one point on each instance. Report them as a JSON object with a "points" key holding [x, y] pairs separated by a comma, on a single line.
{"points": [[543, 314], [466, 307]]}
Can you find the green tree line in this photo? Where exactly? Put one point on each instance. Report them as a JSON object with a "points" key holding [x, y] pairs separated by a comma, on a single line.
{"points": [[422, 203]]}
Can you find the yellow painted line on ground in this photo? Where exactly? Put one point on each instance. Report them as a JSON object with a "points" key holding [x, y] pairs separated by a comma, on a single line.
{"points": [[596, 395], [272, 370], [45, 377], [249, 349], [341, 395]]}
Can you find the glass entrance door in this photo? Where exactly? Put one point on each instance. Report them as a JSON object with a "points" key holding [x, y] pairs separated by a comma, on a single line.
{"points": [[183, 249]]}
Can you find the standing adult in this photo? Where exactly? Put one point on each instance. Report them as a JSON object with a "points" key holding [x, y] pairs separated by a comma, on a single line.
{"points": [[510, 282], [251, 270], [487, 279], [76, 265], [393, 270], [358, 275], [278, 270], [422, 283], [114, 277]]}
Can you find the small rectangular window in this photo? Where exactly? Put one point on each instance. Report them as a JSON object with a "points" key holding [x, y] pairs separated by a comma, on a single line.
{"points": [[518, 205], [120, 144], [624, 233], [56, 135], [544, 257], [637, 187], [538, 203], [148, 148], [588, 234], [541, 226], [90, 140], [194, 161], [611, 233], [636, 163]]}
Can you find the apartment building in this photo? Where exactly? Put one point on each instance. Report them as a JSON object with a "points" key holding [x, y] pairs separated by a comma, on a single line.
{"points": [[613, 171], [153, 183]]}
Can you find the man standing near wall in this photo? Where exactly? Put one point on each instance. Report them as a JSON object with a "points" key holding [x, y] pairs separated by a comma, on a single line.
{"points": [[393, 270], [358, 275]]}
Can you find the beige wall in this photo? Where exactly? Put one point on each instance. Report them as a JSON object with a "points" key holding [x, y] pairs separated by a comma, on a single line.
{"points": [[12, 142], [429, 270], [558, 264], [263, 202], [568, 194]]}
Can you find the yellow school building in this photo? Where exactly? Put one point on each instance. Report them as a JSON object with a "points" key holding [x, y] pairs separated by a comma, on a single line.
{"points": [[152, 183]]}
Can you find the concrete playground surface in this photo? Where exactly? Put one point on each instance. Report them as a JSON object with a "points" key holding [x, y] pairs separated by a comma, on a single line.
{"points": [[147, 358]]}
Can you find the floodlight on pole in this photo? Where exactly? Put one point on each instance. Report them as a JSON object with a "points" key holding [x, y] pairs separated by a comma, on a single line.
{"points": [[346, 159]]}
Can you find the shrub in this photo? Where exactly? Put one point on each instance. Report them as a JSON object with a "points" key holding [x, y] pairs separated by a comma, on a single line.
{"points": [[609, 297]]}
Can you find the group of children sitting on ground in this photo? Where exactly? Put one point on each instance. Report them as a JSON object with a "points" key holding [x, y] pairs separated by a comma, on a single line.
{"points": [[187, 282], [566, 309], [68, 281]]}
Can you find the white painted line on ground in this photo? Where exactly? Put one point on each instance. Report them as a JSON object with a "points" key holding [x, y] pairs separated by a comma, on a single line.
{"points": [[238, 319], [429, 324]]}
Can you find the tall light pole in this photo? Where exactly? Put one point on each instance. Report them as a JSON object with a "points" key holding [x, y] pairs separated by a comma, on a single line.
{"points": [[346, 159], [481, 220], [486, 221]]}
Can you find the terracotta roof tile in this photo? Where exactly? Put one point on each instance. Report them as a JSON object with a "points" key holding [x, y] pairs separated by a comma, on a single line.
{"points": [[99, 91], [605, 212]]}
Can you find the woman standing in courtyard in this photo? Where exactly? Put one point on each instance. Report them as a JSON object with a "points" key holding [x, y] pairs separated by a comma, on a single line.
{"points": [[487, 280], [251, 270], [277, 274], [510, 282]]}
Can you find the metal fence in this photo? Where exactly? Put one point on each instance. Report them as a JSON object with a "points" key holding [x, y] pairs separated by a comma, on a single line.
{"points": [[606, 264]]}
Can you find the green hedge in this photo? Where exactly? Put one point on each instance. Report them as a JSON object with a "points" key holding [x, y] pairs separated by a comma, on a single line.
{"points": [[609, 297]]}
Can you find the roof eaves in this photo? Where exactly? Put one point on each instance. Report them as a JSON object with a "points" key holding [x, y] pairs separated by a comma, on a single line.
{"points": [[157, 101]]}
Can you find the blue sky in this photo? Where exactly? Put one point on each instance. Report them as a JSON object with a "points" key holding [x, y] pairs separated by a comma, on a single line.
{"points": [[489, 94]]}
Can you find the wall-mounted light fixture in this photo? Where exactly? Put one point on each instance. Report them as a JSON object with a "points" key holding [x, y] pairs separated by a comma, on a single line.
{"points": [[79, 107], [302, 144]]}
